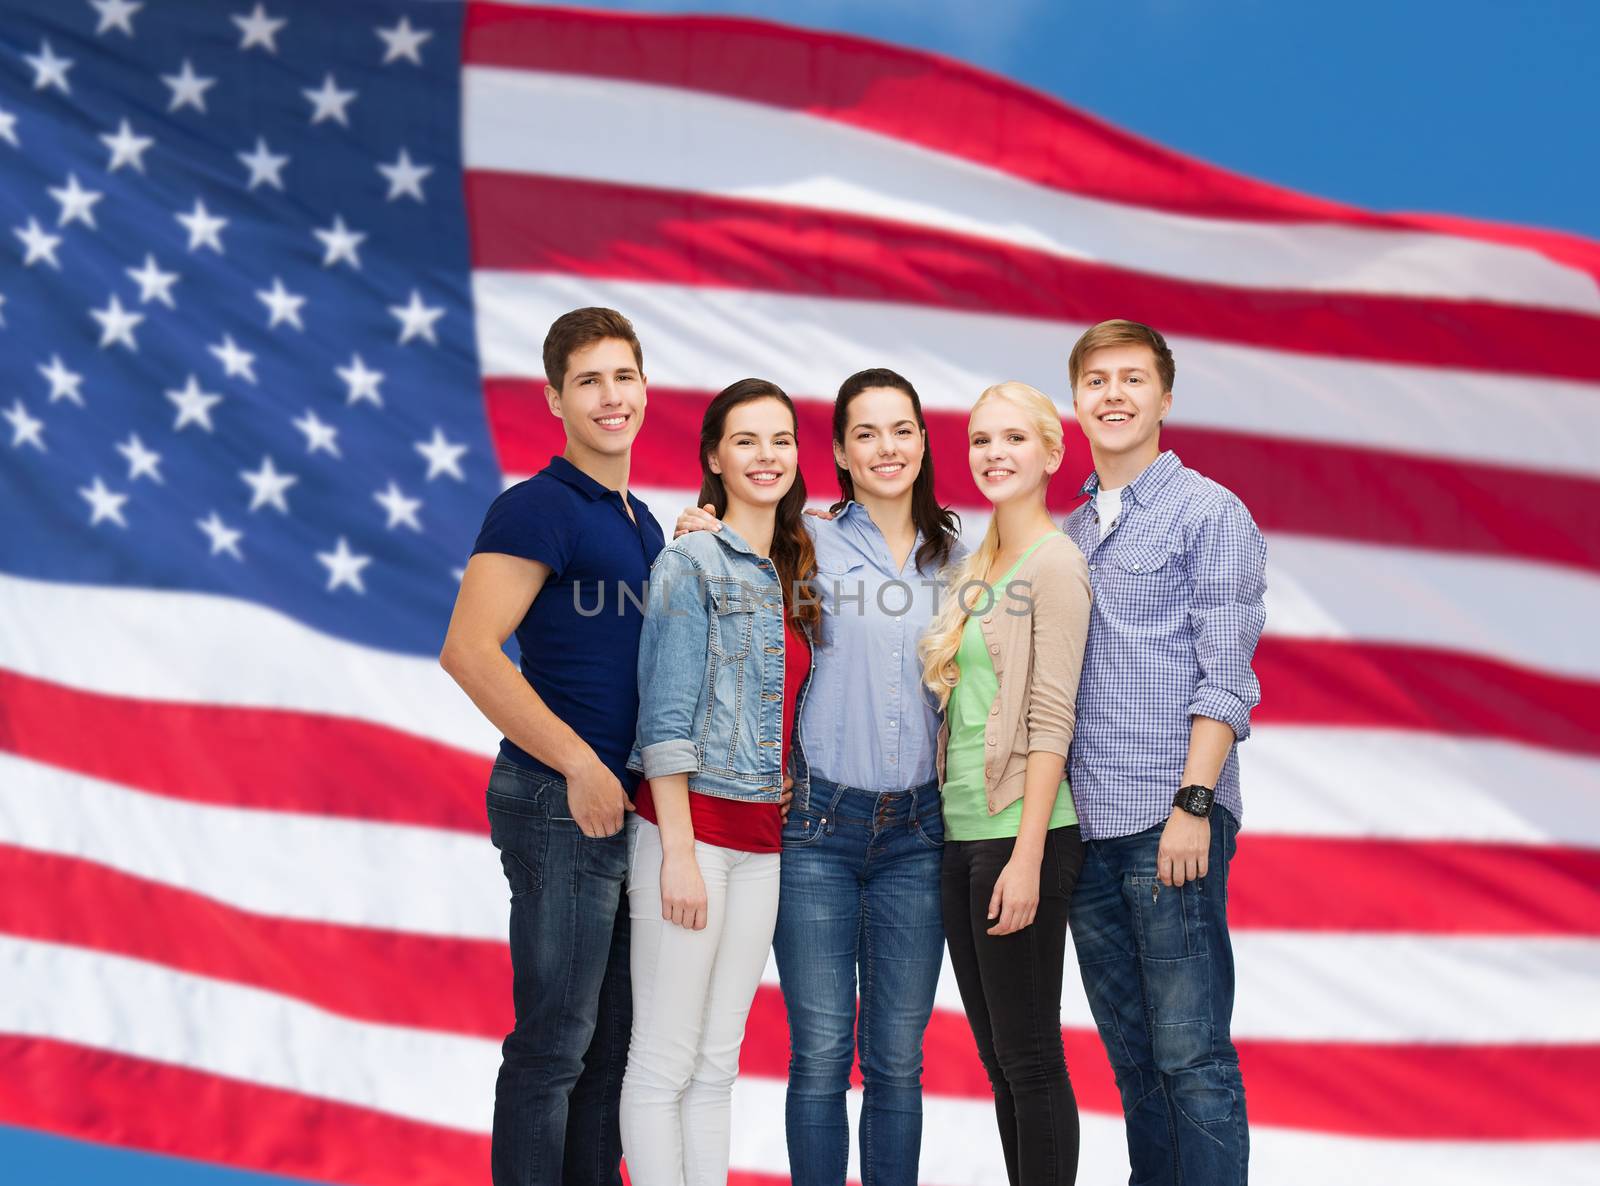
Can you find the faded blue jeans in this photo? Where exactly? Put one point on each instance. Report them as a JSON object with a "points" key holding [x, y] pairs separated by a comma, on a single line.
{"points": [[555, 1101], [1157, 967], [859, 902]]}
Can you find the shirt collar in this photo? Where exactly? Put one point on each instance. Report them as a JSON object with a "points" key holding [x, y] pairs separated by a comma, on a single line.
{"points": [[853, 511], [564, 471], [1143, 488]]}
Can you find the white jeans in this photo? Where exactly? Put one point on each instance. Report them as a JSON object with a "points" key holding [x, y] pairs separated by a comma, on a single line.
{"points": [[691, 995]]}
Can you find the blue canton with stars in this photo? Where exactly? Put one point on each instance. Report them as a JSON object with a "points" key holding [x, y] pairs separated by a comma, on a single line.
{"points": [[237, 347]]}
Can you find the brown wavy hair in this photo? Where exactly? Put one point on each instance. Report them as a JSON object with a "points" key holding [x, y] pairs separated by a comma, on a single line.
{"points": [[792, 552]]}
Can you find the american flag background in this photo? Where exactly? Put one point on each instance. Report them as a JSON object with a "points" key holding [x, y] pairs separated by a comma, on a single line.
{"points": [[274, 279]]}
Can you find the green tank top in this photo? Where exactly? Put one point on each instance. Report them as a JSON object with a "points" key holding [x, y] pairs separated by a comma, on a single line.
{"points": [[966, 800]]}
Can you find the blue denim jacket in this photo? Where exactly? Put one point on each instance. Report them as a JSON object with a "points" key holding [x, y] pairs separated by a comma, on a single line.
{"points": [[711, 669]]}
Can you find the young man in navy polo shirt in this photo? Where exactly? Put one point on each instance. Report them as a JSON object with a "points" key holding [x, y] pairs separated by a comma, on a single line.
{"points": [[562, 562]]}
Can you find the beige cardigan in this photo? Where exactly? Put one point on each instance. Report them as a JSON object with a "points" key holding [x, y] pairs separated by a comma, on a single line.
{"points": [[1037, 652]]}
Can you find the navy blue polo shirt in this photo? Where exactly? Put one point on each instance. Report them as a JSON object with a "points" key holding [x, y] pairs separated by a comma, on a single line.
{"points": [[580, 637]]}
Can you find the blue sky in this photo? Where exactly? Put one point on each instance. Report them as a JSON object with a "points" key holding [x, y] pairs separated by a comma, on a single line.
{"points": [[1474, 107]]}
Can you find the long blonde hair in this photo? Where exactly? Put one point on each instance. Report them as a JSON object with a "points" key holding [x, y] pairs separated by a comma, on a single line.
{"points": [[943, 637]]}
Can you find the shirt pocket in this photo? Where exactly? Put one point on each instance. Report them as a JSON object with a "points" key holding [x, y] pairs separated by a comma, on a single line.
{"points": [[733, 616], [1141, 582]]}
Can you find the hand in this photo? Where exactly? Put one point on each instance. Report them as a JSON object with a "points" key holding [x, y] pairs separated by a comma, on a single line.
{"points": [[697, 519], [1016, 896], [597, 800], [683, 891], [816, 514], [1184, 848], [785, 799]]}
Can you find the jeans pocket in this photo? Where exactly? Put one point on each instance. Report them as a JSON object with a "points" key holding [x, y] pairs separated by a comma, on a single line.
{"points": [[928, 828], [604, 856], [803, 828], [523, 840], [1169, 918]]}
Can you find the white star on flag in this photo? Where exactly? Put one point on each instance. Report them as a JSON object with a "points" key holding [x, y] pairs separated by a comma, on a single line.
{"points": [[340, 242], [259, 29], [362, 383], [236, 363], [25, 429], [205, 229], [117, 324], [344, 566], [142, 462], [39, 243], [49, 70], [416, 319], [401, 510], [268, 486], [403, 41], [194, 406], [443, 456], [329, 102], [115, 14], [126, 148], [188, 88], [8, 128], [64, 384], [282, 305], [223, 538], [77, 203], [319, 435], [103, 503], [405, 177], [154, 284], [265, 167]]}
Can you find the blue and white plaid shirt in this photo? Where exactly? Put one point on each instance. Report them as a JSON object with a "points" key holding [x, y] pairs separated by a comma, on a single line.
{"points": [[1179, 583]]}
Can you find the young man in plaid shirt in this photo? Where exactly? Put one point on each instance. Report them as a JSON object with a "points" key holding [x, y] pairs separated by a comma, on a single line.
{"points": [[1177, 568]]}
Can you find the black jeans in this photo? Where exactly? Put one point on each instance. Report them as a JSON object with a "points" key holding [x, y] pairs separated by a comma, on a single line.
{"points": [[1011, 989], [555, 1101]]}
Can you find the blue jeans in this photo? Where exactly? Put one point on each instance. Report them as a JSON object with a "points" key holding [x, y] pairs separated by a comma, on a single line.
{"points": [[1158, 970], [555, 1101], [859, 898]]}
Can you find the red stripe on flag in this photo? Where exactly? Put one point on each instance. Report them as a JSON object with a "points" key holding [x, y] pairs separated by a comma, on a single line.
{"points": [[1516, 1092], [97, 1095], [1372, 886], [1300, 487], [636, 233], [245, 757], [1362, 685], [398, 978]]}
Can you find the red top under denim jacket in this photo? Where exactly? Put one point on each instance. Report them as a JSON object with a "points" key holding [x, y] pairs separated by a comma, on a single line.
{"points": [[730, 823]]}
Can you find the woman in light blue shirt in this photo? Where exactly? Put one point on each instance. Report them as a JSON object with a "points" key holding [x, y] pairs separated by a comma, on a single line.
{"points": [[861, 846]]}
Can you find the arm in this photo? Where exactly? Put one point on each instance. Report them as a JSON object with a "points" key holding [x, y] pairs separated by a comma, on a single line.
{"points": [[1060, 624], [676, 626], [1228, 559], [496, 592]]}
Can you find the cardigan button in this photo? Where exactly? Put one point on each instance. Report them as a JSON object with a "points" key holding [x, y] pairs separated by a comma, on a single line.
{"points": [[994, 650]]}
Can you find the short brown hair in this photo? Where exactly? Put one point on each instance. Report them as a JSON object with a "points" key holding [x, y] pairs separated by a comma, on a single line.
{"points": [[1122, 333], [573, 331]]}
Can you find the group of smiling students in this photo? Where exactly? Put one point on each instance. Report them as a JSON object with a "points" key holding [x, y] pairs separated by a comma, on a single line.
{"points": [[845, 738]]}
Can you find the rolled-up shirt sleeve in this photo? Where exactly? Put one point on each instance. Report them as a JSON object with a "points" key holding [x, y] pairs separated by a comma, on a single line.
{"points": [[675, 630], [1228, 560]]}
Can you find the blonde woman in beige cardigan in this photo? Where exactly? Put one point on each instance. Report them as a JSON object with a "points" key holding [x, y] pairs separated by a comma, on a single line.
{"points": [[1003, 657]]}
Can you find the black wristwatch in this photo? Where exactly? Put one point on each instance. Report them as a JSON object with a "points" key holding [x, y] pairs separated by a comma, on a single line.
{"points": [[1196, 800]]}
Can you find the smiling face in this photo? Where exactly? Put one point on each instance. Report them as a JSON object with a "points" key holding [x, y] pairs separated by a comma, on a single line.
{"points": [[883, 447], [1008, 456], [602, 398], [757, 457], [1120, 404]]}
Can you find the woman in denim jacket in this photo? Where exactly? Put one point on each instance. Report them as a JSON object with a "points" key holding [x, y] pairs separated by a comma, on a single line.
{"points": [[722, 656], [861, 848]]}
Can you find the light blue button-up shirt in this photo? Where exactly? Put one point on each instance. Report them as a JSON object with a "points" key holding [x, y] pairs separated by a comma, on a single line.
{"points": [[866, 721]]}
